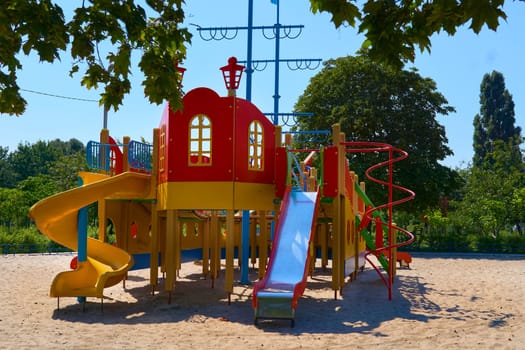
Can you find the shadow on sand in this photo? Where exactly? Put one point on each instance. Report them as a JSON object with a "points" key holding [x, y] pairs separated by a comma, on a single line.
{"points": [[362, 307]]}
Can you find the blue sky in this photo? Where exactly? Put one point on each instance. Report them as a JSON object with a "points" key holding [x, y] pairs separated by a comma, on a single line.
{"points": [[457, 64]]}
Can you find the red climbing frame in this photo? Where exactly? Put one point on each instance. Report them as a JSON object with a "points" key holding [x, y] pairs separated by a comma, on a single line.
{"points": [[394, 155]]}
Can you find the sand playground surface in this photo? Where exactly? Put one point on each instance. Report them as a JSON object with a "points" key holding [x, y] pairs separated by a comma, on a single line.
{"points": [[444, 301]]}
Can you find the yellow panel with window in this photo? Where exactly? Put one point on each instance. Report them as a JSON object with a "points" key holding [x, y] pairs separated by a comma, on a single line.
{"points": [[162, 148]]}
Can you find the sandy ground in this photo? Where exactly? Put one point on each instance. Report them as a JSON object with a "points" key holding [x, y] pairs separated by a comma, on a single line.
{"points": [[444, 301]]}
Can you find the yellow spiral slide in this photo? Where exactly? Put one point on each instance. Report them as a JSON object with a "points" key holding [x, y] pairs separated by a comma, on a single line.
{"points": [[57, 218]]}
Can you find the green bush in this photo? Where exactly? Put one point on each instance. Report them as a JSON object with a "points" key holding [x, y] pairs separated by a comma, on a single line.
{"points": [[515, 244], [22, 240], [26, 240], [504, 243]]}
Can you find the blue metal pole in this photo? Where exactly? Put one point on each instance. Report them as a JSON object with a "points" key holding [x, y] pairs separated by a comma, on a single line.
{"points": [[245, 246], [82, 230], [82, 235], [249, 69], [245, 230], [276, 94]]}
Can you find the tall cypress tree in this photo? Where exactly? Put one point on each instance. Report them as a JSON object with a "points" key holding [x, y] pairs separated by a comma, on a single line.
{"points": [[494, 126]]}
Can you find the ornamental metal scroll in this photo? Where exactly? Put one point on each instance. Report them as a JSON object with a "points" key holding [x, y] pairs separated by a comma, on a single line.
{"points": [[286, 31]]}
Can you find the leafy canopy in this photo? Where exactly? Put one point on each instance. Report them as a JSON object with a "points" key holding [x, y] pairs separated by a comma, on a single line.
{"points": [[102, 35], [495, 124], [59, 160], [36, 171], [100, 38], [374, 102], [395, 29], [493, 198]]}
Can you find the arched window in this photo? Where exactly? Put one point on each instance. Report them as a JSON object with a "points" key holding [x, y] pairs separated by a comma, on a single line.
{"points": [[255, 146], [200, 141]]}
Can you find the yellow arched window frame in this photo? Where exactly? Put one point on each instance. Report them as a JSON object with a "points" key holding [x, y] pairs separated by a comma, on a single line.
{"points": [[199, 141], [255, 146], [162, 148]]}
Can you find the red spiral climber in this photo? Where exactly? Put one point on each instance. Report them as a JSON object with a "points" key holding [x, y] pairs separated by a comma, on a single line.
{"points": [[394, 155]]}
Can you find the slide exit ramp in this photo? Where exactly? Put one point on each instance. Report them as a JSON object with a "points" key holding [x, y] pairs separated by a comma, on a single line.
{"points": [[275, 296]]}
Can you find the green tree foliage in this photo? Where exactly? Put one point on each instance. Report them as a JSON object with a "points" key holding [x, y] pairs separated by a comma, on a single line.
{"points": [[15, 202], [496, 125], [374, 102], [517, 203], [395, 29], [12, 210], [65, 170], [100, 37], [493, 198], [60, 159], [35, 171], [6, 172]]}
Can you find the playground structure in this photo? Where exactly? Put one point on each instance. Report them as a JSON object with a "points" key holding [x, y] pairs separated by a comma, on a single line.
{"points": [[219, 180]]}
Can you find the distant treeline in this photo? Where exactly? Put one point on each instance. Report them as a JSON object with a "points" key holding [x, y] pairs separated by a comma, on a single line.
{"points": [[485, 215]]}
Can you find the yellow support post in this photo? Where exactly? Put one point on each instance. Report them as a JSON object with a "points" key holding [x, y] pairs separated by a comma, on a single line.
{"points": [[172, 245], [393, 259], [322, 231], [215, 249], [360, 239], [125, 158], [336, 227], [154, 247], [122, 227], [104, 140], [288, 139], [263, 243], [230, 243], [178, 244], [339, 220], [355, 211], [206, 247], [102, 220], [311, 251], [154, 229], [278, 136], [342, 213]]}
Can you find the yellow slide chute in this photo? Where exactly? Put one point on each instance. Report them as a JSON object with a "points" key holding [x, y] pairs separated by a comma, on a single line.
{"points": [[57, 218]]}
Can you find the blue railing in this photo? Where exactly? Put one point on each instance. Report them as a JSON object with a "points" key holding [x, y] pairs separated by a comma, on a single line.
{"points": [[98, 155], [139, 156], [94, 150]]}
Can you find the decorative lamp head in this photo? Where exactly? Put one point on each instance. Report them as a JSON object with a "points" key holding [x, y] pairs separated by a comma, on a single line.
{"points": [[232, 75]]}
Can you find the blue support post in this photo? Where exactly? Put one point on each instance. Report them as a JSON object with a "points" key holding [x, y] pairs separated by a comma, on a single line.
{"points": [[276, 80], [276, 88], [245, 229], [245, 246], [249, 69], [82, 236]]}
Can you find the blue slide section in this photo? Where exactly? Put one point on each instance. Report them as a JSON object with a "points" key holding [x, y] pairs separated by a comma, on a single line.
{"points": [[275, 296]]}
